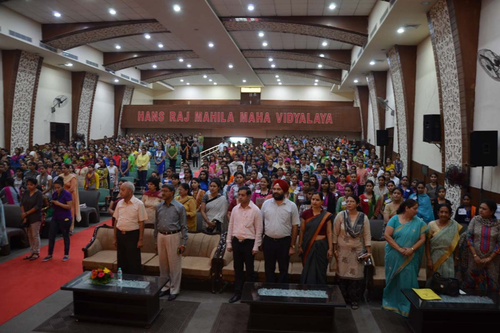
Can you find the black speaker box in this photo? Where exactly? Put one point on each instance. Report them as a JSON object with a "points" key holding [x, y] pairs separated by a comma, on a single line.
{"points": [[382, 137], [432, 128], [484, 148]]}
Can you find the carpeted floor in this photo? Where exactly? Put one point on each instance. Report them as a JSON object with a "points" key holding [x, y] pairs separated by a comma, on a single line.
{"points": [[25, 283], [390, 322], [232, 318], [173, 319]]}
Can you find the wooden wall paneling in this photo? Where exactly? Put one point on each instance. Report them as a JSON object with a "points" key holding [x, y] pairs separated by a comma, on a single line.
{"points": [[83, 88], [10, 65], [362, 96], [77, 79], [119, 93]]}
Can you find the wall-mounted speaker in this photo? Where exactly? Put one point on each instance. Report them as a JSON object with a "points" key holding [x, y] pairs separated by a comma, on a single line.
{"points": [[484, 148], [382, 137], [432, 128]]}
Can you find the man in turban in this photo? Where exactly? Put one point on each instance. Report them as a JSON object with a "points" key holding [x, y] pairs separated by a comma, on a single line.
{"points": [[281, 222]]}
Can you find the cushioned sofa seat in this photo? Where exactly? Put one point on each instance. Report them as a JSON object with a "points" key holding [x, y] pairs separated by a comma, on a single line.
{"points": [[105, 258]]}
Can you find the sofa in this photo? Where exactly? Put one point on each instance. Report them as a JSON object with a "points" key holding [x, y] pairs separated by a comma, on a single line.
{"points": [[197, 260], [15, 232]]}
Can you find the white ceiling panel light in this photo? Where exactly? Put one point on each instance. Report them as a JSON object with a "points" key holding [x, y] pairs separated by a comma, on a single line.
{"points": [[279, 80], [322, 55], [210, 44], [116, 80], [181, 60], [250, 7], [204, 76], [210, 80], [154, 66], [188, 83], [215, 83], [356, 80], [261, 34], [118, 47], [276, 76], [332, 6], [230, 66], [177, 8], [112, 11], [315, 83], [325, 43], [182, 80], [320, 65], [188, 65], [273, 65], [68, 64], [244, 81], [279, 83], [147, 36], [401, 30], [264, 44], [372, 62], [316, 80], [270, 59], [160, 45], [57, 14]]}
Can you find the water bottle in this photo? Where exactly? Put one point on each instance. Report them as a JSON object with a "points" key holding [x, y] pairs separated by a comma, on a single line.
{"points": [[120, 275]]}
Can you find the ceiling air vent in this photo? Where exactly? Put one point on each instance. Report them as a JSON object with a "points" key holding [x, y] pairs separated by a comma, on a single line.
{"points": [[20, 36], [48, 47], [125, 76], [91, 63], [70, 55]]}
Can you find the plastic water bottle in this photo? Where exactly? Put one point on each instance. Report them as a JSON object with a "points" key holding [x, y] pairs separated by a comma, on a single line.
{"points": [[120, 275]]}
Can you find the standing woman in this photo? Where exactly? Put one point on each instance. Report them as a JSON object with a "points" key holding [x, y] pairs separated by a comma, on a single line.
{"points": [[160, 160], [61, 220], [103, 173], [314, 182], [197, 192], [405, 236], [214, 207], [341, 184], [440, 200], [315, 242], [294, 189], [369, 202], [151, 198], [189, 204], [441, 247], [113, 176], [124, 166], [71, 185], [31, 208], [351, 236], [465, 212], [91, 179], [328, 197], [185, 151], [391, 207], [264, 191], [432, 188], [425, 211], [480, 251]]}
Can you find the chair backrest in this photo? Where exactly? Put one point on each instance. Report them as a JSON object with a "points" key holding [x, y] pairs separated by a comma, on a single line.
{"points": [[90, 198], [103, 193], [13, 216], [378, 253], [200, 244], [106, 236], [376, 227]]}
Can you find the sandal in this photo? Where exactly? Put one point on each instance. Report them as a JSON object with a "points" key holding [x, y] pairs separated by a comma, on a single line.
{"points": [[34, 257], [354, 306], [28, 257]]}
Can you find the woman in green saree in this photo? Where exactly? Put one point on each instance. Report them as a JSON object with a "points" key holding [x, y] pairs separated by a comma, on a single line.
{"points": [[441, 245], [316, 241], [405, 235]]}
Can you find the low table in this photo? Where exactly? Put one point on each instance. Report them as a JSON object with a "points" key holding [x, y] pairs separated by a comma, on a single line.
{"points": [[134, 301], [292, 313], [474, 312]]}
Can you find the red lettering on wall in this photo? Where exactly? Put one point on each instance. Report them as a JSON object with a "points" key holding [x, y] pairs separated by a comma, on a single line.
{"points": [[147, 117], [289, 118], [206, 117], [296, 115], [302, 118], [309, 120], [161, 116], [172, 116], [267, 118], [317, 119], [198, 117], [251, 118], [154, 116], [279, 117], [140, 115], [329, 119], [230, 117], [323, 117], [243, 117], [213, 117], [186, 118]]}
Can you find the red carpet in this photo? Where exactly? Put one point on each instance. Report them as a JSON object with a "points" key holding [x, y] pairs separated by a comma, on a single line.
{"points": [[24, 283]]}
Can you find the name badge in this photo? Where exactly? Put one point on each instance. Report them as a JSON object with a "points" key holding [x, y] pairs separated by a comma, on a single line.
{"points": [[257, 191], [462, 211], [296, 191], [300, 197], [388, 201], [343, 203], [365, 200], [407, 190]]}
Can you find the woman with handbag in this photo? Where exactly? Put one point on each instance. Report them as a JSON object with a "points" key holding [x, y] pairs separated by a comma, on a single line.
{"points": [[351, 235], [405, 236], [480, 251], [441, 246]]}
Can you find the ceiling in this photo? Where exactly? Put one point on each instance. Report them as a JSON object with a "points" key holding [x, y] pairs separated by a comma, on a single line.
{"points": [[295, 25]]}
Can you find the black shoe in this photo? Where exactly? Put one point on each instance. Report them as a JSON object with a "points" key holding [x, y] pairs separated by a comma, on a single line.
{"points": [[172, 297], [235, 298], [164, 293]]}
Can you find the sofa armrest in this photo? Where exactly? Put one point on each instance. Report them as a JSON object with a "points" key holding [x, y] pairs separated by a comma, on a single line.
{"points": [[227, 258], [90, 249]]}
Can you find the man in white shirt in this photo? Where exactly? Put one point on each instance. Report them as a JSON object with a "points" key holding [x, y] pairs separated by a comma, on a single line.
{"points": [[244, 237], [281, 221]]}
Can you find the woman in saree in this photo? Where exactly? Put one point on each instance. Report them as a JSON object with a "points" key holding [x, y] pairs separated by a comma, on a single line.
{"points": [[71, 185], [425, 211], [151, 198], [351, 236], [405, 236], [369, 202], [214, 208], [480, 251], [189, 204], [441, 245], [197, 192], [91, 179], [315, 242]]}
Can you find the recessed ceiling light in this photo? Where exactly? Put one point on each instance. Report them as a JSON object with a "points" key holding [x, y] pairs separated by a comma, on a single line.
{"points": [[181, 60], [316, 80], [401, 30], [187, 83], [322, 55], [135, 55], [244, 81], [279, 83], [147, 36], [182, 80], [332, 6], [204, 76], [273, 65], [230, 65], [250, 7], [209, 80], [160, 45], [270, 59], [118, 47], [320, 66], [372, 62], [264, 44], [210, 44], [116, 80], [356, 81], [215, 83], [68, 64], [316, 83], [325, 43], [112, 11], [261, 34], [57, 14], [278, 80], [188, 65], [154, 66], [276, 76], [177, 8]]}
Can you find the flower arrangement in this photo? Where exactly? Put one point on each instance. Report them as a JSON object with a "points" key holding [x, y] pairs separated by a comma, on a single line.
{"points": [[101, 276]]}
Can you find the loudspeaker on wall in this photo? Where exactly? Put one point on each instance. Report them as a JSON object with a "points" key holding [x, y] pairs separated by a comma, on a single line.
{"points": [[382, 137], [432, 128], [484, 148]]}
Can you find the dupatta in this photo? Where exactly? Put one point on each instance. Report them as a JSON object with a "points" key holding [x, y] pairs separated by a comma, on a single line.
{"points": [[443, 244], [216, 208]]}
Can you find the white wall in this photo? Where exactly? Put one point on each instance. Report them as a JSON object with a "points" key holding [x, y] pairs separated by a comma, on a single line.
{"points": [[426, 102], [2, 112], [102, 122], [370, 138], [142, 96], [390, 120], [199, 92], [10, 20], [53, 82], [486, 114], [304, 93]]}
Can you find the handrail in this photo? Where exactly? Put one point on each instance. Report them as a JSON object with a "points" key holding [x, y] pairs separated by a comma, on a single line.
{"points": [[208, 151]]}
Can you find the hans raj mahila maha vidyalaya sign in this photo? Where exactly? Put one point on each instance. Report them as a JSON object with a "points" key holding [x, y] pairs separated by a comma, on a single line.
{"points": [[224, 116]]}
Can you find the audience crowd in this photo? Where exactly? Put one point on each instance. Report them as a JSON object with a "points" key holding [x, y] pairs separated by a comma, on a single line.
{"points": [[311, 195]]}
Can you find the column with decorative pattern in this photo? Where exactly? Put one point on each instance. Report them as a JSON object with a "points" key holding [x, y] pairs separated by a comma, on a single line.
{"points": [[123, 96], [84, 85], [361, 97], [21, 73], [377, 88]]}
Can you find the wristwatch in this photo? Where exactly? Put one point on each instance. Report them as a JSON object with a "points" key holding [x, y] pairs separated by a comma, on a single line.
{"points": [[292, 246]]}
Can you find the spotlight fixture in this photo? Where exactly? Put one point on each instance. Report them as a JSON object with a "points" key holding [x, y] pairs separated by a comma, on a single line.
{"points": [[116, 80], [68, 64], [112, 11], [204, 76], [209, 80], [264, 44], [135, 55], [332, 6], [230, 66], [273, 65], [270, 59], [181, 60], [276, 76], [279, 80], [244, 81], [261, 34], [315, 83], [118, 47], [316, 80], [188, 65], [320, 65], [215, 83], [182, 80], [147, 36], [160, 45], [57, 14], [177, 8], [372, 62], [210, 44], [322, 55], [250, 7], [401, 30], [356, 80], [279, 83], [187, 83], [325, 43], [154, 66]]}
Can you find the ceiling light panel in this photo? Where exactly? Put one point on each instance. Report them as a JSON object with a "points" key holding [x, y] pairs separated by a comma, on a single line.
{"points": [[284, 64], [139, 43], [290, 80], [175, 64]]}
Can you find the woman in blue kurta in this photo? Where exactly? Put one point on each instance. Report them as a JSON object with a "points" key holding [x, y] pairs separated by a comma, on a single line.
{"points": [[425, 210], [405, 236]]}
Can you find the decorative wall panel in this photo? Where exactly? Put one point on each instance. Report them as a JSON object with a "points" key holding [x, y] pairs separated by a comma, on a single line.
{"points": [[83, 92], [377, 88], [123, 96]]}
